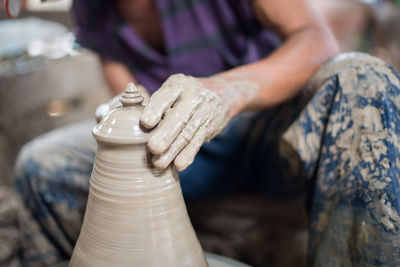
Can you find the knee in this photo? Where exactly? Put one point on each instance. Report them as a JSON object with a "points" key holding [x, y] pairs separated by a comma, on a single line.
{"points": [[29, 168], [353, 60], [356, 72]]}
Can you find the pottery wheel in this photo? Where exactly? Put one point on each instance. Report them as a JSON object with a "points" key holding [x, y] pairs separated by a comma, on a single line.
{"points": [[212, 259]]}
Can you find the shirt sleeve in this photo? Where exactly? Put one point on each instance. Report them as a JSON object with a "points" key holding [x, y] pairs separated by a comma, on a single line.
{"points": [[256, 32]]}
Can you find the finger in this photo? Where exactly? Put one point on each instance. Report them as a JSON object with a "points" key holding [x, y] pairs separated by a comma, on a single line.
{"points": [[160, 101], [163, 161], [187, 155], [174, 121]]}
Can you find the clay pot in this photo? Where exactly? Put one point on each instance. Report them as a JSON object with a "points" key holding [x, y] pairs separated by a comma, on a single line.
{"points": [[135, 214]]}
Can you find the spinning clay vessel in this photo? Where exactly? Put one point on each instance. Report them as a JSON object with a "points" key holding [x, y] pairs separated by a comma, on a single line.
{"points": [[135, 214]]}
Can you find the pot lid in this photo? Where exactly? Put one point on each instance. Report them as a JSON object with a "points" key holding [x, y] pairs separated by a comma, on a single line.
{"points": [[122, 124]]}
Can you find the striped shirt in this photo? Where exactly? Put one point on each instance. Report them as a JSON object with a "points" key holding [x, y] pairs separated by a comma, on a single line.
{"points": [[202, 37]]}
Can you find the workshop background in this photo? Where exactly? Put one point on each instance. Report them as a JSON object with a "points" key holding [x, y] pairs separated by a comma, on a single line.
{"points": [[47, 81]]}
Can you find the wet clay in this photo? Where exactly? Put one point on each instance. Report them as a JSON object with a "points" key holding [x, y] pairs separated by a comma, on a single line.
{"points": [[135, 214]]}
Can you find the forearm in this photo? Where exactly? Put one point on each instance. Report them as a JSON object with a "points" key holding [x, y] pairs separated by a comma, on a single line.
{"points": [[200, 108], [278, 77], [117, 76]]}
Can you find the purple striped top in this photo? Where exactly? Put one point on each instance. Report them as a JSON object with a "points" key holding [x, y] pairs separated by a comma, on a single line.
{"points": [[202, 37]]}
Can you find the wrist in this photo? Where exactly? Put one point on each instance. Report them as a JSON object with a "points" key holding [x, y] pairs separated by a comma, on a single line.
{"points": [[238, 95]]}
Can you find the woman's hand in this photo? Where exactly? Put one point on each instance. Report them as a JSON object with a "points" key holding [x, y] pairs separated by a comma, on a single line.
{"points": [[187, 114]]}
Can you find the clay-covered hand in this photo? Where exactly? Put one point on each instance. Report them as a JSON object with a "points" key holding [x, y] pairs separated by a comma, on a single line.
{"points": [[187, 114], [114, 102]]}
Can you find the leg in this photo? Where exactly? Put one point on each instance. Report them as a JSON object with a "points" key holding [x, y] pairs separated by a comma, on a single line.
{"points": [[52, 179], [348, 139]]}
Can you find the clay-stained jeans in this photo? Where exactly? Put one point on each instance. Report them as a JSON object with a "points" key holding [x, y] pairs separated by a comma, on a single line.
{"points": [[338, 141]]}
